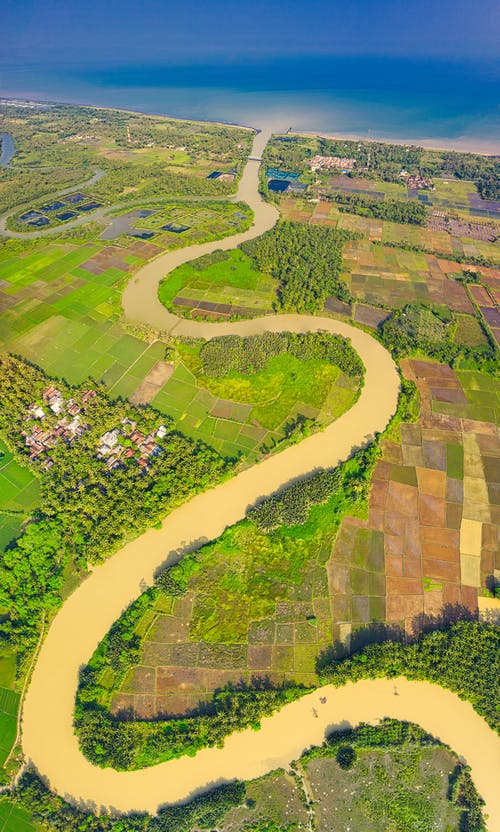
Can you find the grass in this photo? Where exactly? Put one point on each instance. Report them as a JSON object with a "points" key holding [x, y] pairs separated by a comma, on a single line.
{"points": [[231, 281], [403, 789], [248, 413], [15, 818], [19, 487]]}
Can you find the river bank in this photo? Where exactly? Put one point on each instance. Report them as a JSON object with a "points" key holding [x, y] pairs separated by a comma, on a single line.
{"points": [[48, 736]]}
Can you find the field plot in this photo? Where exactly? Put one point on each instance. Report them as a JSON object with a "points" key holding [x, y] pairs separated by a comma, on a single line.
{"points": [[10, 527], [9, 703], [223, 279], [19, 487], [248, 414], [395, 277], [375, 230], [15, 818], [440, 474]]}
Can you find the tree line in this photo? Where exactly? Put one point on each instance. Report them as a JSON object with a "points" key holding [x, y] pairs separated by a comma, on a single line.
{"points": [[410, 212], [250, 354]]}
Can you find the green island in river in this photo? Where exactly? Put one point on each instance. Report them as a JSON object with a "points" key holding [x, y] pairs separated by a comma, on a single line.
{"points": [[249, 479]]}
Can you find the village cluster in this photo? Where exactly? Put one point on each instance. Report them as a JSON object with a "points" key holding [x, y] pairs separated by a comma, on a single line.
{"points": [[129, 443], [343, 163], [39, 439], [417, 182], [115, 446]]}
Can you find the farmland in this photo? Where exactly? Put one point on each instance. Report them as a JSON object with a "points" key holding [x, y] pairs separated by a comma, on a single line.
{"points": [[380, 551], [392, 233], [249, 414], [265, 604], [61, 299], [230, 280]]}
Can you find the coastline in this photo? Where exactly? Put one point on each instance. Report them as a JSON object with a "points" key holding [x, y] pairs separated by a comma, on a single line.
{"points": [[460, 145], [483, 147]]}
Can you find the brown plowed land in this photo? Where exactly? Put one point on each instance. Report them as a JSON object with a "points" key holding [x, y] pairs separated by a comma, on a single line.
{"points": [[398, 567]]}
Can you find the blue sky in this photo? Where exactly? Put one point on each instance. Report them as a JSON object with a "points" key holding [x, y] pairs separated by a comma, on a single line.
{"points": [[164, 31]]}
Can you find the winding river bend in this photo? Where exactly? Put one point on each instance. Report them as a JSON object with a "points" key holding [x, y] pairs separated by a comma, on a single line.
{"points": [[48, 738]]}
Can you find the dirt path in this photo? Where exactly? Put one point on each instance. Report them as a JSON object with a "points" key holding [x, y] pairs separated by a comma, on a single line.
{"points": [[48, 737]]}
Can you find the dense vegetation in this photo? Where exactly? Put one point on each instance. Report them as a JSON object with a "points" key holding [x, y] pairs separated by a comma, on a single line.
{"points": [[465, 658], [125, 745], [419, 328], [396, 210], [228, 353], [86, 510], [306, 260], [349, 483]]}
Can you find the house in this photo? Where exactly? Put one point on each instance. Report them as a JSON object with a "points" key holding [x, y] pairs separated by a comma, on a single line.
{"points": [[137, 438], [110, 438], [37, 411], [87, 395], [72, 407], [161, 432]]}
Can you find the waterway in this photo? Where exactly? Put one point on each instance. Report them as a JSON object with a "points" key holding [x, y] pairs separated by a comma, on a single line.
{"points": [[8, 149], [48, 736]]}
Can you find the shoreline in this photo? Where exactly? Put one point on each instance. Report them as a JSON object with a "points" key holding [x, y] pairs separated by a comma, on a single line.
{"points": [[462, 144], [457, 145]]}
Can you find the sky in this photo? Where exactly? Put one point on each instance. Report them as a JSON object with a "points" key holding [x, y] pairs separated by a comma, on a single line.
{"points": [[97, 32]]}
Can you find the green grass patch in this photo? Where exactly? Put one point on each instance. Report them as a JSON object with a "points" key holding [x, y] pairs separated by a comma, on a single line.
{"points": [[232, 279], [14, 818], [19, 489]]}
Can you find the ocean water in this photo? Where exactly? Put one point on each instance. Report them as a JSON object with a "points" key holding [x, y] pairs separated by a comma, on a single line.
{"points": [[443, 104]]}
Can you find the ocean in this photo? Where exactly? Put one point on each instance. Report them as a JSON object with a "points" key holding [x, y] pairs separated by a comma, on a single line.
{"points": [[438, 103]]}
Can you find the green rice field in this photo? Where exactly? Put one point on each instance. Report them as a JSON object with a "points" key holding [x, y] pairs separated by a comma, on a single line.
{"points": [[246, 414], [9, 703], [19, 487], [15, 818], [233, 281]]}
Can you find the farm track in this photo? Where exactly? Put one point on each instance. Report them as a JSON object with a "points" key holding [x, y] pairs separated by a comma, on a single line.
{"points": [[48, 737]]}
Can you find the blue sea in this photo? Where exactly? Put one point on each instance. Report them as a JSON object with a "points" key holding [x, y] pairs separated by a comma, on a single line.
{"points": [[440, 103]]}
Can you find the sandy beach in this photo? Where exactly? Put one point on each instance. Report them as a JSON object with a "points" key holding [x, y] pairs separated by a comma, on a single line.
{"points": [[48, 736]]}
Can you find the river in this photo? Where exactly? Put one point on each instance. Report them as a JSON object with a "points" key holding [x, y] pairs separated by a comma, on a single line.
{"points": [[48, 736], [8, 150]]}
